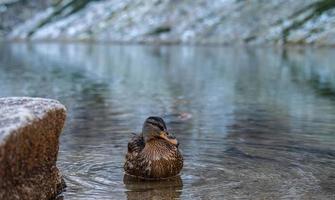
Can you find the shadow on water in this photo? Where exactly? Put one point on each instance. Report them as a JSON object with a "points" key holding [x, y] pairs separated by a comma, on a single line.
{"points": [[251, 122], [144, 189]]}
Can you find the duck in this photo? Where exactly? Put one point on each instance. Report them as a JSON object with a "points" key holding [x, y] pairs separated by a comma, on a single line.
{"points": [[154, 153]]}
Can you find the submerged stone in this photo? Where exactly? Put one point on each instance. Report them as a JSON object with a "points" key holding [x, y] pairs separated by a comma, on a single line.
{"points": [[29, 142]]}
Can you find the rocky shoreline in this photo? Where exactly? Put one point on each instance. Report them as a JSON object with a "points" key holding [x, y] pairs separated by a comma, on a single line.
{"points": [[182, 22], [29, 143]]}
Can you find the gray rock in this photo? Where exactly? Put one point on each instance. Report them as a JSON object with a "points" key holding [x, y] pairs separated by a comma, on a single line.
{"points": [[29, 133]]}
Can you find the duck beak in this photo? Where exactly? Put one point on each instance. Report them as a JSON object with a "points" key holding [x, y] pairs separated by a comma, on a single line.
{"points": [[169, 138]]}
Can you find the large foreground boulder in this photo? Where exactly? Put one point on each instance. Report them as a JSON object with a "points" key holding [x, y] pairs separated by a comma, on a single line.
{"points": [[29, 133]]}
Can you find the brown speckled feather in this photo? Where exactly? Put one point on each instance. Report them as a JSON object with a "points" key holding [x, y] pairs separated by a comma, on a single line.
{"points": [[155, 159], [136, 144]]}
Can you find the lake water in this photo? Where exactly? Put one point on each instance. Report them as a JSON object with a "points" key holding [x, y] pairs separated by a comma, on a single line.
{"points": [[253, 123]]}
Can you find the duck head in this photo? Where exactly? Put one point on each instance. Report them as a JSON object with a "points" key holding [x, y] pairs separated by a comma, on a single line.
{"points": [[155, 128]]}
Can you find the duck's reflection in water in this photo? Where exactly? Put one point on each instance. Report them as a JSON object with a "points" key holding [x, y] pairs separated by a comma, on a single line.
{"points": [[154, 189]]}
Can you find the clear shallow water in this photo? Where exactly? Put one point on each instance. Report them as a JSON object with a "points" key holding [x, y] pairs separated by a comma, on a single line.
{"points": [[252, 122]]}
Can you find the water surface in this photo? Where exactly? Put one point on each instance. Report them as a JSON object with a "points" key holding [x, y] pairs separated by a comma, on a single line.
{"points": [[253, 123]]}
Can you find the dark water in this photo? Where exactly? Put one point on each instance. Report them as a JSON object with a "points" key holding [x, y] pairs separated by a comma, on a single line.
{"points": [[253, 123]]}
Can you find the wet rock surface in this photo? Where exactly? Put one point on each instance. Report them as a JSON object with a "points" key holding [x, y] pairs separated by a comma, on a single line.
{"points": [[29, 133]]}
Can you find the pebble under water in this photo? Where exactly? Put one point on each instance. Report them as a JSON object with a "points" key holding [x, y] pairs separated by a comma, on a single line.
{"points": [[252, 123]]}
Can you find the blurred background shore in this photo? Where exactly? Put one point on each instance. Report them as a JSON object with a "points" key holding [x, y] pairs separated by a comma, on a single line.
{"points": [[170, 21]]}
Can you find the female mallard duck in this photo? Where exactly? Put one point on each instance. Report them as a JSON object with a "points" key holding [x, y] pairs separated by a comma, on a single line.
{"points": [[153, 154]]}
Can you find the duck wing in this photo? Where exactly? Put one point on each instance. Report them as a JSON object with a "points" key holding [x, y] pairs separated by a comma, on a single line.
{"points": [[136, 144], [133, 164]]}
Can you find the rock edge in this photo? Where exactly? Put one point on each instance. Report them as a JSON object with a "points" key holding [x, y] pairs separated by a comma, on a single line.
{"points": [[29, 143]]}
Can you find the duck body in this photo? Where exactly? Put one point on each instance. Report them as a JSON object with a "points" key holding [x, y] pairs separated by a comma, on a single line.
{"points": [[154, 158]]}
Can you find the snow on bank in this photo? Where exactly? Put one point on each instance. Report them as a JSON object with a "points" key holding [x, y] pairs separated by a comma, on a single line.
{"points": [[201, 22]]}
